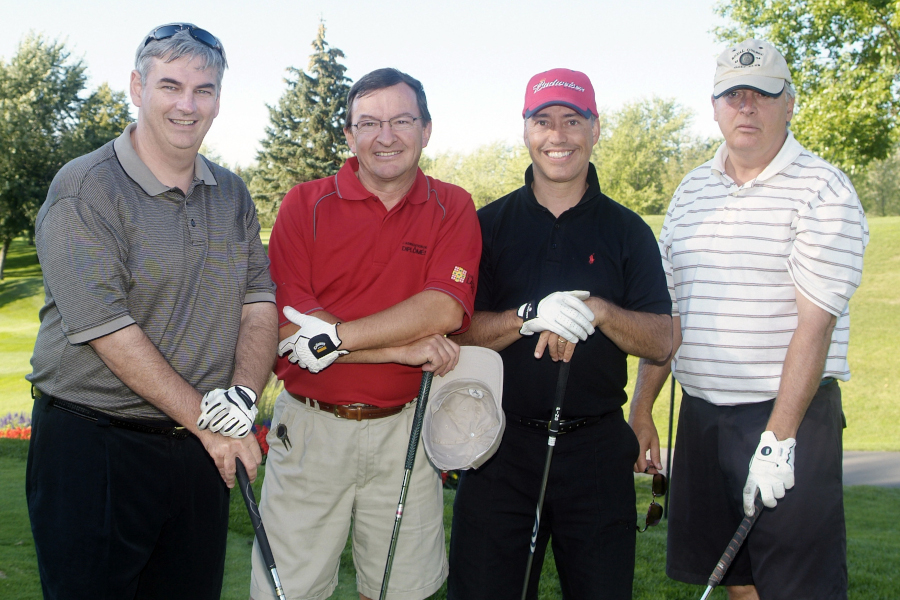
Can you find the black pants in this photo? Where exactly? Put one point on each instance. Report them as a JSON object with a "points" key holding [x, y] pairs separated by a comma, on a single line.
{"points": [[589, 512], [796, 550], [118, 514]]}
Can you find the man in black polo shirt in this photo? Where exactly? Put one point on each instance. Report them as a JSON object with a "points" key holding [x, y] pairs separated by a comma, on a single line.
{"points": [[158, 331], [542, 244]]}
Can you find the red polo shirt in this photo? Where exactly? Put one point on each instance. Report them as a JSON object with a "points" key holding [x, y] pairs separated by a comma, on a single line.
{"points": [[336, 248]]}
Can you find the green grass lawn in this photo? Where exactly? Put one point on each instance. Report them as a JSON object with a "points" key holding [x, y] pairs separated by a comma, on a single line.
{"points": [[873, 547], [873, 415]]}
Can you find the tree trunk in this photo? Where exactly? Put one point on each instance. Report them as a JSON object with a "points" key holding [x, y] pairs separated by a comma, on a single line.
{"points": [[3, 251]]}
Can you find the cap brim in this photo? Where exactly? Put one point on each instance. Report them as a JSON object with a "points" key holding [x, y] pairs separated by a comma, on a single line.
{"points": [[770, 86], [584, 112], [475, 362]]}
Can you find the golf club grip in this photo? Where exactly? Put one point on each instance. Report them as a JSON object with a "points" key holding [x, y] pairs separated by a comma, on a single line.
{"points": [[561, 382], [424, 390], [735, 544], [253, 510]]}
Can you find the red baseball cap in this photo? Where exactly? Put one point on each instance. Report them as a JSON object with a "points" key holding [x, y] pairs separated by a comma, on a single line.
{"points": [[560, 86]]}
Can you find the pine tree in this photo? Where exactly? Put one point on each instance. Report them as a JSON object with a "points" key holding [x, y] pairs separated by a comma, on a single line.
{"points": [[304, 140]]}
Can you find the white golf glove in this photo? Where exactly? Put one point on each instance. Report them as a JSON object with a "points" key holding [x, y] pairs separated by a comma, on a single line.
{"points": [[314, 346], [230, 412], [563, 313], [771, 471]]}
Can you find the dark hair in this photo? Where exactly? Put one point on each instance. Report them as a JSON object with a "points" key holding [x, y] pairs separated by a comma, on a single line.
{"points": [[380, 79]]}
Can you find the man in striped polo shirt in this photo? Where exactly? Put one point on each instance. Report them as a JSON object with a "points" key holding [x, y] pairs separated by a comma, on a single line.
{"points": [[762, 247]]}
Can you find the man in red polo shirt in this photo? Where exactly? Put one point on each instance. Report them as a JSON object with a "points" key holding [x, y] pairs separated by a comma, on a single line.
{"points": [[373, 266]]}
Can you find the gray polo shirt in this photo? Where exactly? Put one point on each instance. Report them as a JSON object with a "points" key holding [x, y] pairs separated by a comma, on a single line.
{"points": [[118, 247]]}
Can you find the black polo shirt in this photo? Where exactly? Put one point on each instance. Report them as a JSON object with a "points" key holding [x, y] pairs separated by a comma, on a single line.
{"points": [[599, 246]]}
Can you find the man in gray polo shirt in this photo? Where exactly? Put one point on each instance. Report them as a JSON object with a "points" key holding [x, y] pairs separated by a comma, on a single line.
{"points": [[158, 332]]}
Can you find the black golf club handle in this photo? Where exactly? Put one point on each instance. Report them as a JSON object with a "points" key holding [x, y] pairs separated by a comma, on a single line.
{"points": [[424, 390], [735, 544], [253, 510]]}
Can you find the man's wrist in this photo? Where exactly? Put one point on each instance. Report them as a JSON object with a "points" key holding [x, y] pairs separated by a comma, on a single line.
{"points": [[598, 307]]}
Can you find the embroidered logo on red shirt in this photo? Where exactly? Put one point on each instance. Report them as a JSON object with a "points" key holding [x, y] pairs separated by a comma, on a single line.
{"points": [[459, 275], [414, 248], [591, 260]]}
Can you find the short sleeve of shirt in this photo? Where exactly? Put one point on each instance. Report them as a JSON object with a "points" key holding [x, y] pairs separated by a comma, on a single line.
{"points": [[645, 279], [290, 255], [259, 281], [453, 269], [83, 263], [826, 259], [665, 252]]}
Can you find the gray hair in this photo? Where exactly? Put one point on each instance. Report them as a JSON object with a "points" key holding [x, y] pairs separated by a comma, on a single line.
{"points": [[790, 91], [180, 45]]}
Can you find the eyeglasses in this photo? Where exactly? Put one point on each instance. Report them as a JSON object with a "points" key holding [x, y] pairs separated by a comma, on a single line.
{"points": [[201, 35], [659, 488], [404, 123]]}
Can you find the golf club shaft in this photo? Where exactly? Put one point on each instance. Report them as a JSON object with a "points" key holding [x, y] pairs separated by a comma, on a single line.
{"points": [[256, 520], [424, 389], [669, 446], [551, 442], [733, 546]]}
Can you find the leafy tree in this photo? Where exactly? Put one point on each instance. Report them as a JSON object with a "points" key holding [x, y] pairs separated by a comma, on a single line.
{"points": [[44, 123], [644, 151], [305, 139], [844, 57], [487, 173], [39, 105], [879, 186], [102, 117]]}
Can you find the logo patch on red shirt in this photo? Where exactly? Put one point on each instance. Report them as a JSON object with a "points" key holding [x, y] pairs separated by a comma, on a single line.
{"points": [[414, 248], [459, 275]]}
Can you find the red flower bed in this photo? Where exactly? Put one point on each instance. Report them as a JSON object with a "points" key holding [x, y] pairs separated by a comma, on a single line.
{"points": [[16, 433]]}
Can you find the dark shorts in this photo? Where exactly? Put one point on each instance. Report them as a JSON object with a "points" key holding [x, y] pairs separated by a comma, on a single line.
{"points": [[589, 514], [119, 514], [797, 549]]}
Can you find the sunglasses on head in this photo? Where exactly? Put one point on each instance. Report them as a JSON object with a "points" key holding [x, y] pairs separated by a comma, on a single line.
{"points": [[658, 488], [201, 35]]}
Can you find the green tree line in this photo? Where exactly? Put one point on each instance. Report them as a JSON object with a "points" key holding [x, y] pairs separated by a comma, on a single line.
{"points": [[844, 56]]}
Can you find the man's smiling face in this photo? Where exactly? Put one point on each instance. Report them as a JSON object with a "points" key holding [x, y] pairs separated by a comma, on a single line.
{"points": [[176, 104], [387, 156], [560, 140]]}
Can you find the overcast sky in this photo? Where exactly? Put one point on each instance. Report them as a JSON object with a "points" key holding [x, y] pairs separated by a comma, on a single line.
{"points": [[473, 57]]}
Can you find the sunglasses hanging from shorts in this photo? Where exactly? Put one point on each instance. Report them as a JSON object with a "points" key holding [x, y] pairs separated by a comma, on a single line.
{"points": [[659, 488], [201, 35]]}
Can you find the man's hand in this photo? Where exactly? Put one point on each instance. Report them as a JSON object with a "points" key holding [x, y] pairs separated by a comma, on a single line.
{"points": [[559, 347], [771, 471], [314, 346], [230, 412], [644, 428], [223, 450], [435, 353], [563, 313]]}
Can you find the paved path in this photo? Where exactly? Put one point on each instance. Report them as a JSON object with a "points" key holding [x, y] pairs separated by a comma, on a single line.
{"points": [[866, 468], [872, 468]]}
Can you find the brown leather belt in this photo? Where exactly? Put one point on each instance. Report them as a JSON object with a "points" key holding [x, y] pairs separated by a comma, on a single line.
{"points": [[354, 412]]}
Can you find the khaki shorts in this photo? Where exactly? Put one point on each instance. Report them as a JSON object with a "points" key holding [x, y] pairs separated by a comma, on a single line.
{"points": [[335, 471]]}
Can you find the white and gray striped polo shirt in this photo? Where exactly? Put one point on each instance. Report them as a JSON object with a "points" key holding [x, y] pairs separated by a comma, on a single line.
{"points": [[735, 257], [118, 247]]}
